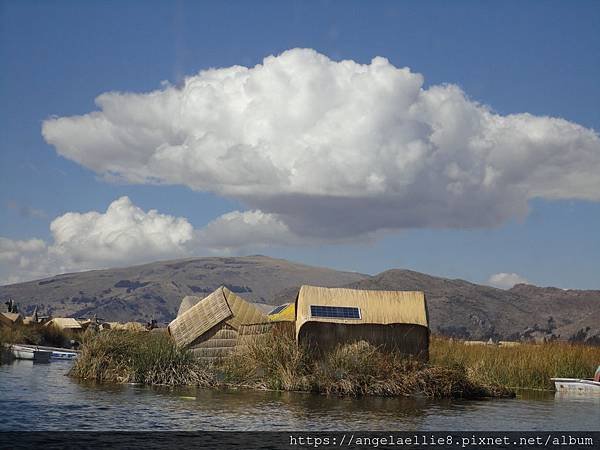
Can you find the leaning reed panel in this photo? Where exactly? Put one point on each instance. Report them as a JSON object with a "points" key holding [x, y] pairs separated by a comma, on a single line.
{"points": [[200, 318]]}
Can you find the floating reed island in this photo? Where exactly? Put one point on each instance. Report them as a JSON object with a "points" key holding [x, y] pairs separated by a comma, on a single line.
{"points": [[329, 341], [274, 362]]}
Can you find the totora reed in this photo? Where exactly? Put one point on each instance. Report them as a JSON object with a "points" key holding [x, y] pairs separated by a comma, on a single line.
{"points": [[524, 366], [275, 362]]}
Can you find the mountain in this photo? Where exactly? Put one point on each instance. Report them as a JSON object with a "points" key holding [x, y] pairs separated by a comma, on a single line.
{"points": [[155, 290], [471, 311], [456, 307]]}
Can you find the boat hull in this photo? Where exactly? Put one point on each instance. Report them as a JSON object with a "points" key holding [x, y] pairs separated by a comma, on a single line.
{"points": [[60, 353], [31, 354], [576, 385]]}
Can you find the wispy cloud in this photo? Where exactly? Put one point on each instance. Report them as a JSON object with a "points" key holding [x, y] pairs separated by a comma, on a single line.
{"points": [[27, 211]]}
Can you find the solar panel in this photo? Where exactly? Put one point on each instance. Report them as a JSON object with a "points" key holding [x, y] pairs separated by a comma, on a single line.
{"points": [[278, 309], [335, 312]]}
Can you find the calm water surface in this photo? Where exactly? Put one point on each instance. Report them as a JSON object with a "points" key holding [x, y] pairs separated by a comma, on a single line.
{"points": [[42, 397]]}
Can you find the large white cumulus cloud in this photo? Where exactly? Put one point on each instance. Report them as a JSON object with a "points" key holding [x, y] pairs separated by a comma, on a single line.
{"points": [[335, 148], [126, 234]]}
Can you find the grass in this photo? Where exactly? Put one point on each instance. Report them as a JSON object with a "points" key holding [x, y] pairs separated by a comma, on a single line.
{"points": [[4, 339], [130, 357], [276, 362], [35, 334], [273, 362], [527, 366]]}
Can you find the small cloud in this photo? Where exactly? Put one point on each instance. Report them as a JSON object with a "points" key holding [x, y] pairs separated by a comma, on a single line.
{"points": [[126, 234], [505, 280], [240, 229], [26, 211]]}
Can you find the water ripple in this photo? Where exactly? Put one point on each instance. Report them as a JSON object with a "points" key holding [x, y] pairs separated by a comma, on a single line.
{"points": [[42, 397]]}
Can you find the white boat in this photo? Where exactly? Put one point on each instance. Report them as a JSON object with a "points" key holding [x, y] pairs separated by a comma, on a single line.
{"points": [[576, 385], [55, 352], [30, 353]]}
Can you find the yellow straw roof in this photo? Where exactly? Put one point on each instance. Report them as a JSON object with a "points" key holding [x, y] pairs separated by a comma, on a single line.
{"points": [[375, 307], [221, 305]]}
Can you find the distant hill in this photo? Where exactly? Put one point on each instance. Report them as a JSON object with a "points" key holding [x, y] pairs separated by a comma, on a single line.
{"points": [[456, 307], [471, 311], [155, 290]]}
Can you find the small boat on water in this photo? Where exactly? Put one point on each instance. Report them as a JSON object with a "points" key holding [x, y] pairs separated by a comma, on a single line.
{"points": [[576, 385], [39, 353], [30, 353]]}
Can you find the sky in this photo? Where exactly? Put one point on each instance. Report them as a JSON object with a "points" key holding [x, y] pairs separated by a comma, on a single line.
{"points": [[457, 138]]}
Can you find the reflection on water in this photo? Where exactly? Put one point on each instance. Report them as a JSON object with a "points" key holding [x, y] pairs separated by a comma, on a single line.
{"points": [[42, 397]]}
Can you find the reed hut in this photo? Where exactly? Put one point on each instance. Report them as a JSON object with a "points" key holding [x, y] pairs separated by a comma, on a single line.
{"points": [[283, 313], [210, 327], [10, 319], [64, 323], [392, 320], [91, 324], [136, 327]]}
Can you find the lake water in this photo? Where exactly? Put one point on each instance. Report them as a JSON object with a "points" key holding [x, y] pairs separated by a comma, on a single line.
{"points": [[42, 397]]}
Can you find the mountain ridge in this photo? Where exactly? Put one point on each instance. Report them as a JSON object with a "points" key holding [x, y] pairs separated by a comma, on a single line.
{"points": [[468, 310], [457, 307]]}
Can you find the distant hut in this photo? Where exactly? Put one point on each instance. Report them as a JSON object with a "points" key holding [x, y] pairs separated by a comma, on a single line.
{"points": [[393, 320], [87, 324], [29, 320], [33, 319], [92, 323], [283, 313], [210, 327], [10, 319], [64, 323], [127, 326], [137, 327]]}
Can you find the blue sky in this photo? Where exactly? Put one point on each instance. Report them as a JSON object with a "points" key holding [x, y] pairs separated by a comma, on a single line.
{"points": [[541, 58]]}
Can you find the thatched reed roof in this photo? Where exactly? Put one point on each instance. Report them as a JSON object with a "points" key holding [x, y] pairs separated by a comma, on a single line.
{"points": [[220, 306], [128, 326], [372, 307], [263, 307], [191, 300], [64, 323], [7, 318]]}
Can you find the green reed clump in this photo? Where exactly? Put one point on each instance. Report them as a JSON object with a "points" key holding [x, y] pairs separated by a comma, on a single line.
{"points": [[273, 361], [527, 366], [5, 336], [361, 369], [142, 357], [53, 336], [5, 341], [276, 362], [35, 334]]}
